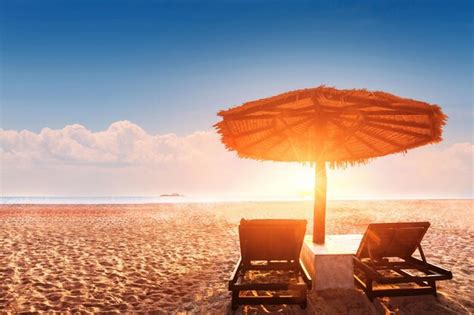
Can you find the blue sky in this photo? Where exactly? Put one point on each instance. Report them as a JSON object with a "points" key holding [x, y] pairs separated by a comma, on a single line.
{"points": [[98, 85], [169, 66]]}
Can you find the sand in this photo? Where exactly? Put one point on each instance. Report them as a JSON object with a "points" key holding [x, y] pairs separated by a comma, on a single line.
{"points": [[176, 258]]}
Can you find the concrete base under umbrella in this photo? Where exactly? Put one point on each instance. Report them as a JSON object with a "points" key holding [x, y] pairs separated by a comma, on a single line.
{"points": [[330, 264]]}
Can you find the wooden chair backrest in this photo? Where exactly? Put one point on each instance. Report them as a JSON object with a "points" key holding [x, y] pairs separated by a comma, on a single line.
{"points": [[392, 239], [271, 239]]}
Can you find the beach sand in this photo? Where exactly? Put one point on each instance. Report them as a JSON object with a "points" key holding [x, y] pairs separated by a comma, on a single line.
{"points": [[173, 258]]}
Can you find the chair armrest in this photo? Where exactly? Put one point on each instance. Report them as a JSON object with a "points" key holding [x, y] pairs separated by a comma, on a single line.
{"points": [[306, 276], [432, 267], [235, 274]]}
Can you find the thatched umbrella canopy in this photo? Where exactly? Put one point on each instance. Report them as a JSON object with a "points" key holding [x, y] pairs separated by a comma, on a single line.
{"points": [[319, 125]]}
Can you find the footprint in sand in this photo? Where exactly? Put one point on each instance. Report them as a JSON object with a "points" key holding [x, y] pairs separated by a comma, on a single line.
{"points": [[54, 297], [43, 285]]}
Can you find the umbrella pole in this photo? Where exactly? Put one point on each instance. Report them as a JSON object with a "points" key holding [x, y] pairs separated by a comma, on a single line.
{"points": [[319, 214]]}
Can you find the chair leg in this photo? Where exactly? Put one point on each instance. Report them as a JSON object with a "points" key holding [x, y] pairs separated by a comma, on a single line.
{"points": [[235, 299], [433, 288], [368, 289], [304, 302]]}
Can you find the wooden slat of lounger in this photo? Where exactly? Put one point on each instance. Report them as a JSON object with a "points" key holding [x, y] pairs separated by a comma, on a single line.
{"points": [[392, 239], [408, 279], [389, 265], [406, 241], [287, 265], [241, 284], [396, 242], [399, 242], [373, 271], [402, 292], [256, 300], [432, 268], [271, 239]]}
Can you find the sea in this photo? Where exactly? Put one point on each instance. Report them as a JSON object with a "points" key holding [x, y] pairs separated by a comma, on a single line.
{"points": [[12, 200]]}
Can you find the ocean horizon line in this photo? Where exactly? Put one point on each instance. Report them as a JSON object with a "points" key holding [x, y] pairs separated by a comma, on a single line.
{"points": [[90, 200]]}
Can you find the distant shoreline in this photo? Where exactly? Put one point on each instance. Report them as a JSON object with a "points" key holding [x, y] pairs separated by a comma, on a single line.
{"points": [[171, 195], [172, 198]]}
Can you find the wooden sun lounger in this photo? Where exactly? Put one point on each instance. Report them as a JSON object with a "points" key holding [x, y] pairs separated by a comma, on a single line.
{"points": [[272, 245], [385, 259]]}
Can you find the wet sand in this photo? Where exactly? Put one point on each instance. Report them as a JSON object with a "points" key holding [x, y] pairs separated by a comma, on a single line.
{"points": [[173, 258]]}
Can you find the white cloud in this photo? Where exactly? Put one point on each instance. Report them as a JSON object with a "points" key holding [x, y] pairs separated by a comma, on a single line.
{"points": [[126, 160], [123, 143]]}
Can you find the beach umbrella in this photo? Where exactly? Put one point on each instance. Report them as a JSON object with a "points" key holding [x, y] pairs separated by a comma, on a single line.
{"points": [[325, 125]]}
